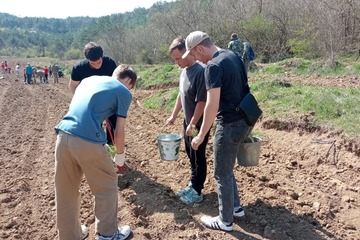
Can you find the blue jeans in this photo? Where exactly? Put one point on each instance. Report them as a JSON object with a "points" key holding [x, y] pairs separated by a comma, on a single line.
{"points": [[228, 137]]}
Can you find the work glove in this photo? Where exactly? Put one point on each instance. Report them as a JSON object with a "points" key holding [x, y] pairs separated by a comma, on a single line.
{"points": [[119, 160]]}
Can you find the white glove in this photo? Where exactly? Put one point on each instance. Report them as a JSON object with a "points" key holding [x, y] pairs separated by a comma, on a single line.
{"points": [[119, 159]]}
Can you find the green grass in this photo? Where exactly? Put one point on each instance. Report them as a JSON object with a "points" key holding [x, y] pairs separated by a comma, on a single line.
{"points": [[345, 66], [164, 100], [336, 108], [157, 75]]}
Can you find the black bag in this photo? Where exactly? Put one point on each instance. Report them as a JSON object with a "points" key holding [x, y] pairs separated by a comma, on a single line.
{"points": [[249, 109]]}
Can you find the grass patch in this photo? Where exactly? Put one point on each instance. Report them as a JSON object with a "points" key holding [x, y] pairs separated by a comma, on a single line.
{"points": [[163, 100], [345, 66], [336, 107], [157, 75]]}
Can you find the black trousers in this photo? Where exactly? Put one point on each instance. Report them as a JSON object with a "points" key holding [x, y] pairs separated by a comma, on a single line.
{"points": [[197, 160], [112, 122]]}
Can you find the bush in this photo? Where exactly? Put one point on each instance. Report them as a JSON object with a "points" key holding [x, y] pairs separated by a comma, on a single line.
{"points": [[73, 54]]}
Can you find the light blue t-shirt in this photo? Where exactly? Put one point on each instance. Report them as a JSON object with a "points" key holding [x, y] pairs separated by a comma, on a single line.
{"points": [[95, 99]]}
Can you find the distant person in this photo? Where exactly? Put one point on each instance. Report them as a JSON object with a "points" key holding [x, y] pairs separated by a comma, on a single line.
{"points": [[34, 74], [95, 63], [17, 71], [191, 99], [3, 67], [60, 72], [46, 74], [235, 44], [50, 70], [29, 73], [241, 48], [55, 73], [25, 77], [226, 84], [80, 150]]}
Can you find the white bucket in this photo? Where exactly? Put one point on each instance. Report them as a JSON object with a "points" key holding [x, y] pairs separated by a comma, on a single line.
{"points": [[169, 146], [248, 153]]}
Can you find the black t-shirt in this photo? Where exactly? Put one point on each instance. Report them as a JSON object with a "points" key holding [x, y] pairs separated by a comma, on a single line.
{"points": [[227, 71], [82, 69]]}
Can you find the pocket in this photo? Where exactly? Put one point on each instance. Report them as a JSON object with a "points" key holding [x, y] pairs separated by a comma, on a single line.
{"points": [[238, 132]]}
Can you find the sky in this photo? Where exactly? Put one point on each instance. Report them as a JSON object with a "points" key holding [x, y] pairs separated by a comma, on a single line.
{"points": [[71, 8]]}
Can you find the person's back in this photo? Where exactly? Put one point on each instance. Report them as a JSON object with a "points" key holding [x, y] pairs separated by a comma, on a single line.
{"points": [[232, 90], [55, 68], [29, 70], [235, 44], [80, 150], [92, 103]]}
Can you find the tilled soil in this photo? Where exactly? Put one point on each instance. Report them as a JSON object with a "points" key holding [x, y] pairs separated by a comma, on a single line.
{"points": [[306, 185]]}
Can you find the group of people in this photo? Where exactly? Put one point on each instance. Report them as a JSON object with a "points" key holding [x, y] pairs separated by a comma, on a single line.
{"points": [[5, 68], [101, 93], [222, 76], [212, 83], [31, 73]]}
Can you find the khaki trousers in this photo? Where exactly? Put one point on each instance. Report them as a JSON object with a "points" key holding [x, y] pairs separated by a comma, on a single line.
{"points": [[75, 157]]}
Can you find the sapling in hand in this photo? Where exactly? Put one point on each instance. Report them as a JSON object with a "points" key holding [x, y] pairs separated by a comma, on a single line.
{"points": [[118, 158], [193, 131]]}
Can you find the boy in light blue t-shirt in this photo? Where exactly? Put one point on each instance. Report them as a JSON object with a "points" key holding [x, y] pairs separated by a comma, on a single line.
{"points": [[80, 149]]}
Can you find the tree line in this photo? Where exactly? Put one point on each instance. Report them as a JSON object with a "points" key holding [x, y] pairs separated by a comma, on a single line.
{"points": [[277, 29]]}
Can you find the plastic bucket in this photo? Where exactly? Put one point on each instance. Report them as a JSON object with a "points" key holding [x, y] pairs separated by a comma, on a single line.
{"points": [[248, 153], [169, 146]]}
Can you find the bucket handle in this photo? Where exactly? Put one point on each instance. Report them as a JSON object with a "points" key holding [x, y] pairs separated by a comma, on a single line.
{"points": [[163, 126]]}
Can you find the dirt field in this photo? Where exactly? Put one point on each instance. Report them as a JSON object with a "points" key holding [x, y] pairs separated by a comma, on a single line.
{"points": [[307, 185]]}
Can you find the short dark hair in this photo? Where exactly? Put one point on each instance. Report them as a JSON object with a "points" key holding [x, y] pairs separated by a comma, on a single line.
{"points": [[234, 36], [206, 42], [93, 51], [177, 43]]}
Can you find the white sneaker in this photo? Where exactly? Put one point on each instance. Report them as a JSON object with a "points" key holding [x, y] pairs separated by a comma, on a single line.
{"points": [[239, 212], [216, 223], [121, 234], [85, 232]]}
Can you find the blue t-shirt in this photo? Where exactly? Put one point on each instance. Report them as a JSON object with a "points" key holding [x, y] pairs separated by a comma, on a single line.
{"points": [[226, 71], [95, 99]]}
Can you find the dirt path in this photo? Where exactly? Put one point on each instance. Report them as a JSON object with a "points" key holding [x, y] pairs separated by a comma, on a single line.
{"points": [[306, 186]]}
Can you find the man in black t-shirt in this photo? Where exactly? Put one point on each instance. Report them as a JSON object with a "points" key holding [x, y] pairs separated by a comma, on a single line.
{"points": [[226, 84], [95, 63], [191, 99]]}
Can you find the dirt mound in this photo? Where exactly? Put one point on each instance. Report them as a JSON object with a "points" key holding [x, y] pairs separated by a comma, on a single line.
{"points": [[305, 187]]}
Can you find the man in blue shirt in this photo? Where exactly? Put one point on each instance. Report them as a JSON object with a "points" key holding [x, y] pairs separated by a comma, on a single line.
{"points": [[80, 149]]}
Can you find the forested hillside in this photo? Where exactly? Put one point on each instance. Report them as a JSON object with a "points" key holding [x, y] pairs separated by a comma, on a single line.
{"points": [[277, 29]]}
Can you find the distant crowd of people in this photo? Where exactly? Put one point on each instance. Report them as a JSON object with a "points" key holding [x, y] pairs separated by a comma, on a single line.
{"points": [[32, 73]]}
